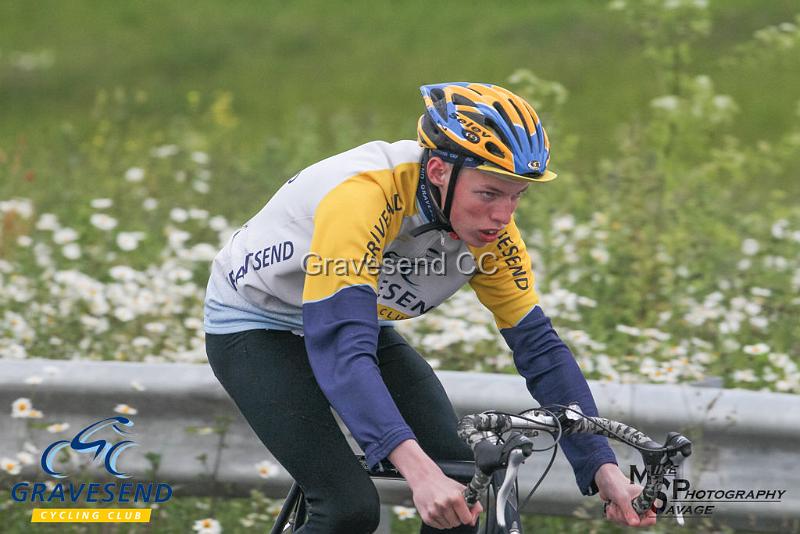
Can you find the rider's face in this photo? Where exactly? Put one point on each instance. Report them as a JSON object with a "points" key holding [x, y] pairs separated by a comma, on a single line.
{"points": [[482, 204]]}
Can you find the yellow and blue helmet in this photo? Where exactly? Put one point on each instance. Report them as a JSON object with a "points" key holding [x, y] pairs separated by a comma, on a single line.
{"points": [[495, 129]]}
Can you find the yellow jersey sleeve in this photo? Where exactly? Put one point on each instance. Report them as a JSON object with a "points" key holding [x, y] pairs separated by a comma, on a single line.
{"points": [[353, 223]]}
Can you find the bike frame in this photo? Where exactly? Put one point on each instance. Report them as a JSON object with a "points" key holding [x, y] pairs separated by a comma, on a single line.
{"points": [[293, 512]]}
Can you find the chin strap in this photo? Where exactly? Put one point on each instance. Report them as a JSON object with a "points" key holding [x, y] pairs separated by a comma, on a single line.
{"points": [[431, 196]]}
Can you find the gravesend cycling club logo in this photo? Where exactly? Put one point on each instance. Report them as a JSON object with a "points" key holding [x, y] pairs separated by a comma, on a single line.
{"points": [[99, 446], [90, 441], [680, 498]]}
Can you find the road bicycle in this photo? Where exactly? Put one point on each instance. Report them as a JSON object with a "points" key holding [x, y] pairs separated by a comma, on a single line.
{"points": [[501, 442]]}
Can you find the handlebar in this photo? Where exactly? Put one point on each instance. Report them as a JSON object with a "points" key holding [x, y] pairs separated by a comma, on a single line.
{"points": [[484, 433]]}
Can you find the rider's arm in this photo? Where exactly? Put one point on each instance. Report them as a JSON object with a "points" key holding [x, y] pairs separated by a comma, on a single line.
{"points": [[352, 223], [550, 370]]}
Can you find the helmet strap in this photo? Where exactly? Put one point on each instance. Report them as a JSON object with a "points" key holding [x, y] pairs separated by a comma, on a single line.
{"points": [[433, 196], [451, 187]]}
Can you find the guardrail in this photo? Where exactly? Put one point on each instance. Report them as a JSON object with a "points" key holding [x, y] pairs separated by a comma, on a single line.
{"points": [[744, 440]]}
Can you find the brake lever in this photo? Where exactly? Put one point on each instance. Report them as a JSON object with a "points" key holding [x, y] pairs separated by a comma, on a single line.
{"points": [[678, 463], [515, 459]]}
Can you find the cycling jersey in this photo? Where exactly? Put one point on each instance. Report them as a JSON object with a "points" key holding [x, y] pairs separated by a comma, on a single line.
{"points": [[335, 251]]}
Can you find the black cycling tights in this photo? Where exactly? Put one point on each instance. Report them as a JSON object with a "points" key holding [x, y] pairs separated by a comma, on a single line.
{"points": [[268, 376]]}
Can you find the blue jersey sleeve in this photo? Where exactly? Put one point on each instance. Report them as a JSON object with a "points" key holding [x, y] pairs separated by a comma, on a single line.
{"points": [[341, 337], [553, 377]]}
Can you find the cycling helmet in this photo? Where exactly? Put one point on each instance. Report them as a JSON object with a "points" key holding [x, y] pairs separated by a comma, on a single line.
{"points": [[491, 128]]}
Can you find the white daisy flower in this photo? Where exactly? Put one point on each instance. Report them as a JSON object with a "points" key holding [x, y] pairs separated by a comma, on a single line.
{"points": [[207, 526], [267, 469], [757, 349], [55, 428], [134, 174], [125, 409], [102, 203], [103, 221], [403, 512], [12, 467]]}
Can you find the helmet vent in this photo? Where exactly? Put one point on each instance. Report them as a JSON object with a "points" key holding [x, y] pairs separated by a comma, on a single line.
{"points": [[437, 95], [461, 100], [494, 149], [519, 113], [502, 112]]}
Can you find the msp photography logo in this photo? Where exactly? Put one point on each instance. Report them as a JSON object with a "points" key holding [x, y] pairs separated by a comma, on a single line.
{"points": [[89, 442], [680, 498]]}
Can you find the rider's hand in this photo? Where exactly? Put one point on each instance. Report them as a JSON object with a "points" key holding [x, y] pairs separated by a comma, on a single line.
{"points": [[616, 489], [438, 499], [441, 504]]}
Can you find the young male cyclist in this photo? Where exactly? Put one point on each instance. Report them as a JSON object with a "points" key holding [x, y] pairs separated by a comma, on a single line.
{"points": [[298, 302]]}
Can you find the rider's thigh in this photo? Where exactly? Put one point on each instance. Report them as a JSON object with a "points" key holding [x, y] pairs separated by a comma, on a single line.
{"points": [[269, 378], [420, 397]]}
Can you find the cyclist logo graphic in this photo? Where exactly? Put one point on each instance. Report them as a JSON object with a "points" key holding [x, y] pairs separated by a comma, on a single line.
{"points": [[80, 443]]}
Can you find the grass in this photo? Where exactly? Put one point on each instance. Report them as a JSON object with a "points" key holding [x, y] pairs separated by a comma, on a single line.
{"points": [[361, 59]]}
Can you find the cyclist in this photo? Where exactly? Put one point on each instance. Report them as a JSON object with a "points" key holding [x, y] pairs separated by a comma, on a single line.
{"points": [[299, 302]]}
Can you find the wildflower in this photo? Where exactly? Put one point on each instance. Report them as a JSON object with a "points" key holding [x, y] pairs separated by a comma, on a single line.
{"points": [[21, 206], [757, 349], [55, 428], [630, 330], [34, 380], [12, 467], [218, 223], [193, 323], [24, 241], [201, 187], [155, 328], [72, 251], [178, 215], [207, 526], [149, 204], [201, 158], [47, 221], [267, 469], [101, 203], [128, 241], [125, 409], [141, 342], [760, 292], [21, 407], [103, 221], [750, 247], [779, 228], [666, 103], [62, 236], [135, 384], [564, 223], [403, 512], [123, 273], [25, 458], [196, 213], [600, 255], [124, 314], [164, 151], [744, 375], [134, 174], [202, 252]]}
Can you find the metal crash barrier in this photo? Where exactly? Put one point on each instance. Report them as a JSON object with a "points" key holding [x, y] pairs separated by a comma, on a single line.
{"points": [[743, 472]]}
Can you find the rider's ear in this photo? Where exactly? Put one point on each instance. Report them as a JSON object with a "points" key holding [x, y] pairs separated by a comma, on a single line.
{"points": [[437, 171]]}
